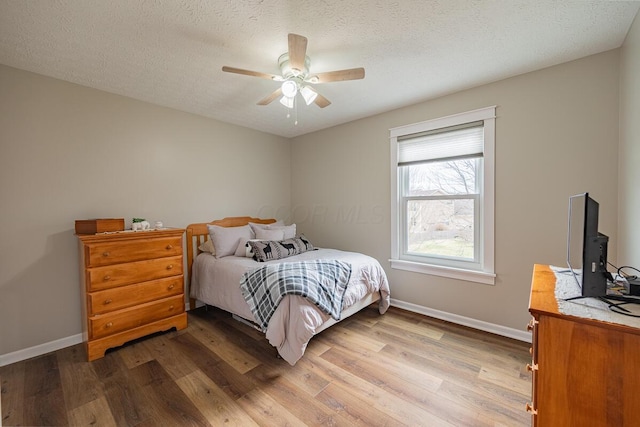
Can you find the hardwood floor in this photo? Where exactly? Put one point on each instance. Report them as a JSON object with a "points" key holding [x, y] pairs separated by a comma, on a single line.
{"points": [[401, 368]]}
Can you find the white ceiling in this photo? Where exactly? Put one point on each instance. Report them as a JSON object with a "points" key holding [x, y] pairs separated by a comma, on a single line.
{"points": [[170, 52]]}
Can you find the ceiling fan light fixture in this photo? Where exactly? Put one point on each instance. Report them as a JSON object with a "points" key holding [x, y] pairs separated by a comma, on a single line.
{"points": [[308, 94], [289, 88], [287, 102], [294, 76]]}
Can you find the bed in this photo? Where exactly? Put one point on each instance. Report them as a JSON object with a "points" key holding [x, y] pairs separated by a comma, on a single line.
{"points": [[216, 280]]}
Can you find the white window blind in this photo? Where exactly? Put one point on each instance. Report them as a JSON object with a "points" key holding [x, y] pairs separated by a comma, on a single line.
{"points": [[451, 143]]}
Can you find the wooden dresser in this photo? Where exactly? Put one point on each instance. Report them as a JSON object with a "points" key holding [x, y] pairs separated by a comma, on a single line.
{"points": [[585, 372], [132, 285]]}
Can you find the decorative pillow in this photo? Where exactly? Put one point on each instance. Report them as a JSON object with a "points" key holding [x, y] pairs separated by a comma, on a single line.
{"points": [[243, 249], [248, 249], [289, 230], [207, 247], [266, 250], [269, 234], [226, 239]]}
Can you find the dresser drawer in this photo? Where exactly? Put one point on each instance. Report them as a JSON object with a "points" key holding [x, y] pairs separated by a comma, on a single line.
{"points": [[103, 325], [126, 296], [107, 253], [112, 276]]}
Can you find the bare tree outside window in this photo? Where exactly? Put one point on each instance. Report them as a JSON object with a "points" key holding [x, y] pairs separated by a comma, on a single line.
{"points": [[440, 208]]}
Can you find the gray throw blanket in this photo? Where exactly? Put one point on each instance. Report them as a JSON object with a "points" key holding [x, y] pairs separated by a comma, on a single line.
{"points": [[323, 282]]}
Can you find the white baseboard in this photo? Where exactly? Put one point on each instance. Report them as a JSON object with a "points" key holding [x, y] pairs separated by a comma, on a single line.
{"points": [[38, 350], [464, 321]]}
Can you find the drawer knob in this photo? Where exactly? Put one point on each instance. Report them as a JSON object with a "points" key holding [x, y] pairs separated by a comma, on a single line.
{"points": [[531, 367], [107, 277], [169, 247], [532, 324], [106, 254], [171, 308], [108, 302], [170, 267], [530, 409], [108, 325], [171, 287]]}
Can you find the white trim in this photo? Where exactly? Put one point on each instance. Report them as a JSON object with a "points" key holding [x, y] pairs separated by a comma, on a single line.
{"points": [[395, 199], [443, 271], [485, 273], [515, 334], [39, 350], [442, 122], [489, 195]]}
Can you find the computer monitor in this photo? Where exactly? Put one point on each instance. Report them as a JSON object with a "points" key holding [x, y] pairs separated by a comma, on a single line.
{"points": [[586, 247]]}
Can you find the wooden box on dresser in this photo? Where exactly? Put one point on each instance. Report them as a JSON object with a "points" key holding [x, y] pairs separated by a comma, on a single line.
{"points": [[585, 372], [132, 285]]}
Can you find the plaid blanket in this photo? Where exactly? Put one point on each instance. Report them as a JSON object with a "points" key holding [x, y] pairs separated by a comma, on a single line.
{"points": [[323, 282]]}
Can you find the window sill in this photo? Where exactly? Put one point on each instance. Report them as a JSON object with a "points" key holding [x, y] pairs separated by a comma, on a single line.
{"points": [[452, 273]]}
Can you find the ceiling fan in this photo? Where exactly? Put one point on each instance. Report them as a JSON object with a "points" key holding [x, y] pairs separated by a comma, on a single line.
{"points": [[296, 77]]}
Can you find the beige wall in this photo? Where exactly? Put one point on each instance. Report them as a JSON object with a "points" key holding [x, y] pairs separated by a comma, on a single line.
{"points": [[549, 124], [629, 159], [68, 152]]}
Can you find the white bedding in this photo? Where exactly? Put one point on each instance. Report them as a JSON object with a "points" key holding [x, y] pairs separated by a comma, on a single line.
{"points": [[217, 282]]}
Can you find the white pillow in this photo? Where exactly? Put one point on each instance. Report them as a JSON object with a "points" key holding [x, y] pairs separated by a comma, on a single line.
{"points": [[268, 234], [240, 250], [255, 226], [226, 239], [207, 247], [289, 230]]}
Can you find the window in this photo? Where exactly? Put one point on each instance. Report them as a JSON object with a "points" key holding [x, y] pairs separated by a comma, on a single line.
{"points": [[442, 185]]}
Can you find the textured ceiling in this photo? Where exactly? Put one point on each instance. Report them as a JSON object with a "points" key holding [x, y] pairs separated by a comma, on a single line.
{"points": [[170, 52]]}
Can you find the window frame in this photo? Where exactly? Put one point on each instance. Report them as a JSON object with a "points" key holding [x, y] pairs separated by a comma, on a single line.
{"points": [[482, 271]]}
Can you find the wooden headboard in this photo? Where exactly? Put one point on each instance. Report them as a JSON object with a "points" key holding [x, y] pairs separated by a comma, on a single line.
{"points": [[198, 233]]}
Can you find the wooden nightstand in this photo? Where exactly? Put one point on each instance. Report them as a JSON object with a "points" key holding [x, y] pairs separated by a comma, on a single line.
{"points": [[132, 285]]}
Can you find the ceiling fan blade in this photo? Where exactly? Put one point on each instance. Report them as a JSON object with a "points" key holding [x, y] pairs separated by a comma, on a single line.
{"points": [[271, 97], [337, 76], [250, 73], [321, 101], [297, 51]]}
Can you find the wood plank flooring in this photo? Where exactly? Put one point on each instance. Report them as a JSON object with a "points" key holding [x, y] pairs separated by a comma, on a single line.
{"points": [[397, 369]]}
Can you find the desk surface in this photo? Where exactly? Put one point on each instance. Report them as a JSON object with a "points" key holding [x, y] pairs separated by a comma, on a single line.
{"points": [[544, 299], [543, 286]]}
